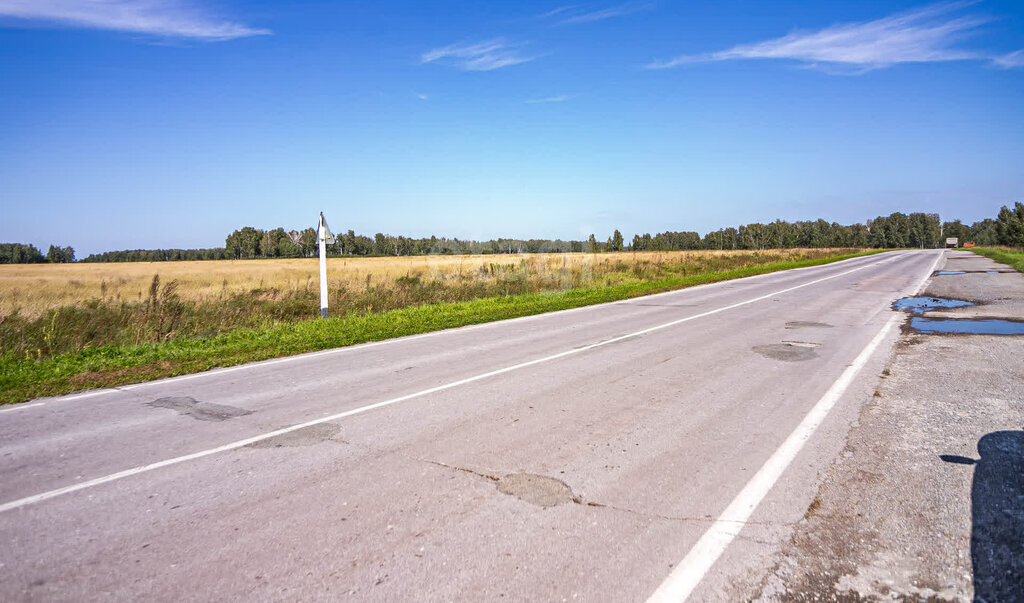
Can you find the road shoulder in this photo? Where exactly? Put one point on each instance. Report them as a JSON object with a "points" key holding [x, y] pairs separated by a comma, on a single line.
{"points": [[895, 514]]}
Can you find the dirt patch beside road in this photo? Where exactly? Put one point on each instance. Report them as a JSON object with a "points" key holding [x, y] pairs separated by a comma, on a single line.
{"points": [[908, 512]]}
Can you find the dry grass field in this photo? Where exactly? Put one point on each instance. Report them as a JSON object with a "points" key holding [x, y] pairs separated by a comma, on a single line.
{"points": [[64, 327], [35, 289]]}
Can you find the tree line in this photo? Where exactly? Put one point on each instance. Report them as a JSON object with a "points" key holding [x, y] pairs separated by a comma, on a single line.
{"points": [[158, 255], [18, 253], [897, 230]]}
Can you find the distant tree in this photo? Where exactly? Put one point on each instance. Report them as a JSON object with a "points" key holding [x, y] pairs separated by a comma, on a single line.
{"points": [[592, 244], [268, 244], [288, 249], [983, 232], [307, 242], [955, 229], [60, 255], [1010, 226], [17, 253], [616, 241]]}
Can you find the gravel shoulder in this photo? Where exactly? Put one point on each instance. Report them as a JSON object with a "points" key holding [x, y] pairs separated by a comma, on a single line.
{"points": [[926, 502]]}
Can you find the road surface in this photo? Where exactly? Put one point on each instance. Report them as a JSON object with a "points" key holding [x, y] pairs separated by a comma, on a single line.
{"points": [[657, 446]]}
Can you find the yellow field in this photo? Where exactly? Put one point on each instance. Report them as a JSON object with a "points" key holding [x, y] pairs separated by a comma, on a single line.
{"points": [[35, 288]]}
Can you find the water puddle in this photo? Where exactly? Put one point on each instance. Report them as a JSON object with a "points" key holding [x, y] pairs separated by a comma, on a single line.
{"points": [[969, 326], [953, 272], [920, 305]]}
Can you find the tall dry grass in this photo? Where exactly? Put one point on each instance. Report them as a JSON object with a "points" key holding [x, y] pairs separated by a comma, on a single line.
{"points": [[34, 289], [56, 308]]}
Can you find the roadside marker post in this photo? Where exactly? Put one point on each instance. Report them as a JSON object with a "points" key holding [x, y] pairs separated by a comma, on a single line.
{"points": [[323, 237]]}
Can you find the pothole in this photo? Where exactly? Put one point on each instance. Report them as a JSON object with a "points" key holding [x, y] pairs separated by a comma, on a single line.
{"points": [[536, 489], [788, 352], [200, 411], [920, 305], [307, 436]]}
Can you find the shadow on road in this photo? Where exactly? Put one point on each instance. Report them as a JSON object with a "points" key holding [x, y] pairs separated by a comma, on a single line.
{"points": [[997, 514]]}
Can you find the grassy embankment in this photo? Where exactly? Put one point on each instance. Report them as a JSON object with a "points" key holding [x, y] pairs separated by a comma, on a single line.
{"points": [[1010, 257], [128, 333]]}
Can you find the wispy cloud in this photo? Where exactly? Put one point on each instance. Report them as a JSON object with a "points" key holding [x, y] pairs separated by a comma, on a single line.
{"points": [[481, 56], [924, 35], [172, 18], [606, 13], [561, 98], [1011, 60], [576, 13], [422, 96], [558, 11]]}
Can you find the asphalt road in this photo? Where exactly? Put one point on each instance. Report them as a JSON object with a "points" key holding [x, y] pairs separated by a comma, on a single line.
{"points": [[579, 454]]}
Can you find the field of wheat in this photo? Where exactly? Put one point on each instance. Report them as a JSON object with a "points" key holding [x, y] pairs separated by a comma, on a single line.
{"points": [[52, 309], [64, 327], [35, 289]]}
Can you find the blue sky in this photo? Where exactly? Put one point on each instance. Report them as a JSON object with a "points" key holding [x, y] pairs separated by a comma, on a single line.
{"points": [[166, 123]]}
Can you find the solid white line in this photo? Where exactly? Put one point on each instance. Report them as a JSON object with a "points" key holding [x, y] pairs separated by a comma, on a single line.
{"points": [[691, 570], [370, 344], [21, 502], [22, 406]]}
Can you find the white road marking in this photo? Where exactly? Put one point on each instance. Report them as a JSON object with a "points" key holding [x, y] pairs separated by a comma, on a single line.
{"points": [[21, 407], [36, 498], [370, 344], [691, 570]]}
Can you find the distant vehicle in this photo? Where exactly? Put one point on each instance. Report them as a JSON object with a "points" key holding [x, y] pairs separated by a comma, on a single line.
{"points": [[969, 244], [952, 242]]}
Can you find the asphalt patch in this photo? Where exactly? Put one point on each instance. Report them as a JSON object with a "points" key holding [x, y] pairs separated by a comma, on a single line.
{"points": [[805, 324], [307, 436], [786, 352], [535, 489], [200, 411]]}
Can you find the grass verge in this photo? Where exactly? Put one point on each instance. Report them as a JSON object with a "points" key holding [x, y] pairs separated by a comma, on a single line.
{"points": [[24, 378], [1010, 257]]}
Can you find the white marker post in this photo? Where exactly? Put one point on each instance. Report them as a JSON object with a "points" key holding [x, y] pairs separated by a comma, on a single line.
{"points": [[323, 236]]}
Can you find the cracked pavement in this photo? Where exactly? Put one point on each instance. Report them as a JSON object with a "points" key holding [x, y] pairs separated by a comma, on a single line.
{"points": [[926, 501], [587, 475]]}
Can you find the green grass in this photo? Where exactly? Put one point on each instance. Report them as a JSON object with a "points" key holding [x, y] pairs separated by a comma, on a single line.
{"points": [[23, 377], [1010, 257]]}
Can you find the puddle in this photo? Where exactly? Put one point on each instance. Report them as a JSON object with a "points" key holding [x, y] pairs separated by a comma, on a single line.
{"points": [[200, 411], [970, 326], [920, 305], [536, 489], [949, 272], [787, 352], [803, 324], [307, 436]]}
